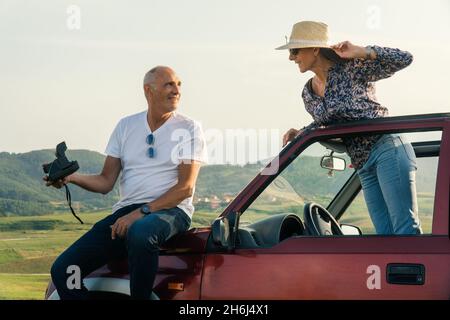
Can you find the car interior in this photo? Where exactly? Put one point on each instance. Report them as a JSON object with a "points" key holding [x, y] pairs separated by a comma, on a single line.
{"points": [[316, 220]]}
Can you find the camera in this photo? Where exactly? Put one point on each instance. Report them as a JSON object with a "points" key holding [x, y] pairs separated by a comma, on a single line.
{"points": [[60, 167]]}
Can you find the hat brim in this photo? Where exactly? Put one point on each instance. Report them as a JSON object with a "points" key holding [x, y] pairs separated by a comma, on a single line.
{"points": [[291, 45]]}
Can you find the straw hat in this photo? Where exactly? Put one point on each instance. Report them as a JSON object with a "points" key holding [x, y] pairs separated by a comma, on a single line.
{"points": [[307, 34]]}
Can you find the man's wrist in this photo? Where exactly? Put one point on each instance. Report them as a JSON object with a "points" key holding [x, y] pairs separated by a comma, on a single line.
{"points": [[145, 209], [152, 207], [70, 178]]}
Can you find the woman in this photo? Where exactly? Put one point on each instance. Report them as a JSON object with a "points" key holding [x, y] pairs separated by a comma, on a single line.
{"points": [[342, 90]]}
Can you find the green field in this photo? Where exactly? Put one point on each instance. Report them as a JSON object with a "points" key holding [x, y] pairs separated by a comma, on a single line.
{"points": [[29, 245], [26, 254]]}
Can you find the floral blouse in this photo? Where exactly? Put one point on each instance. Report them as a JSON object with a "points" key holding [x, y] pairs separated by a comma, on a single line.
{"points": [[350, 95]]}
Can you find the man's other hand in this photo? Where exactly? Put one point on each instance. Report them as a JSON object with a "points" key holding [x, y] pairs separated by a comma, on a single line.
{"points": [[120, 228]]}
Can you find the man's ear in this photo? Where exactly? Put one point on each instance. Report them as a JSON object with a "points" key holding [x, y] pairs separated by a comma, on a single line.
{"points": [[147, 90]]}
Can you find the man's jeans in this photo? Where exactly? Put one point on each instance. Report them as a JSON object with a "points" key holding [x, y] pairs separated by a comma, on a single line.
{"points": [[96, 248], [388, 179]]}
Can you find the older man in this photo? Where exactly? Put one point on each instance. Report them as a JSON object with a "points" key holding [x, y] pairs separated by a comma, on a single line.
{"points": [[159, 153]]}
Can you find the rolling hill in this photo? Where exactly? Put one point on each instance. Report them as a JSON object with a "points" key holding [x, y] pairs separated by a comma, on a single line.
{"points": [[22, 191]]}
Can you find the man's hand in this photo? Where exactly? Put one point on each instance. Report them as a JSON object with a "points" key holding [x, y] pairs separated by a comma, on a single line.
{"points": [[57, 184], [120, 228], [290, 135]]}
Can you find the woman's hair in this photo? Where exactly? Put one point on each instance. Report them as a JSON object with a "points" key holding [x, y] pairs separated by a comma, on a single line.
{"points": [[329, 54]]}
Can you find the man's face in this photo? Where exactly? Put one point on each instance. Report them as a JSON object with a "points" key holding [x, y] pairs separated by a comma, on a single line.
{"points": [[165, 93]]}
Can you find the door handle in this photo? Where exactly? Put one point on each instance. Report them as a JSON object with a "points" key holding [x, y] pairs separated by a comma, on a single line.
{"points": [[405, 273]]}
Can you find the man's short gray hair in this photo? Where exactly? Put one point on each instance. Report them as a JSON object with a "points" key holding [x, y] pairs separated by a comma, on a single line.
{"points": [[150, 76]]}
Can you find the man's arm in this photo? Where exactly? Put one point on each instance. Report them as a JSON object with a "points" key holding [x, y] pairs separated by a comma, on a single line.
{"points": [[101, 183], [187, 176]]}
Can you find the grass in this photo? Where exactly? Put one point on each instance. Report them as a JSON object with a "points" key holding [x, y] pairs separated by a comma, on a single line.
{"points": [[26, 254], [9, 255], [23, 286]]}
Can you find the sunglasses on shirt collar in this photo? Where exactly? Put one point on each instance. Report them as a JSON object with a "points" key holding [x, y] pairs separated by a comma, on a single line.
{"points": [[150, 140]]}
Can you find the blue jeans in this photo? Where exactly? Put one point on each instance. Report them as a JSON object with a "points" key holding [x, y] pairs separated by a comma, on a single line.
{"points": [[388, 179], [96, 248]]}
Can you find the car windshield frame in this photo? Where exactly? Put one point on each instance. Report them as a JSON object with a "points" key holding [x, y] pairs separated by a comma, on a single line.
{"points": [[403, 124]]}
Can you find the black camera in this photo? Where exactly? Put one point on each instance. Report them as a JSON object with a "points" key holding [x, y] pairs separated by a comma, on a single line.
{"points": [[60, 167]]}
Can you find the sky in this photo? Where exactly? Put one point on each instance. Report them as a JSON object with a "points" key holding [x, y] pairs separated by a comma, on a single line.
{"points": [[69, 70]]}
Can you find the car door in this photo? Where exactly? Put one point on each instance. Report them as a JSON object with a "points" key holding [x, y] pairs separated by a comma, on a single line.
{"points": [[341, 267]]}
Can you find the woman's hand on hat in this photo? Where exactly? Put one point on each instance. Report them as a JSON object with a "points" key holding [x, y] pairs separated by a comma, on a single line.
{"points": [[348, 50]]}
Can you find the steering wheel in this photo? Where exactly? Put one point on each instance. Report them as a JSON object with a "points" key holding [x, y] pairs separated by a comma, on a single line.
{"points": [[319, 222]]}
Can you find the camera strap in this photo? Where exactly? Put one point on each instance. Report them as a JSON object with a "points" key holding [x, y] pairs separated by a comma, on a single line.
{"points": [[69, 201]]}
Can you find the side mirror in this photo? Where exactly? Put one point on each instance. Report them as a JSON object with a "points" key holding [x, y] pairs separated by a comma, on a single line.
{"points": [[333, 163], [350, 230], [220, 232], [224, 230]]}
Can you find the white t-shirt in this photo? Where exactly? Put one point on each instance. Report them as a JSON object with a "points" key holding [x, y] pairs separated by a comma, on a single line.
{"points": [[143, 178]]}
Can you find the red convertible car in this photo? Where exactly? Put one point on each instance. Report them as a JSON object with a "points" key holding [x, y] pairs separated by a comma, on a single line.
{"points": [[300, 230]]}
